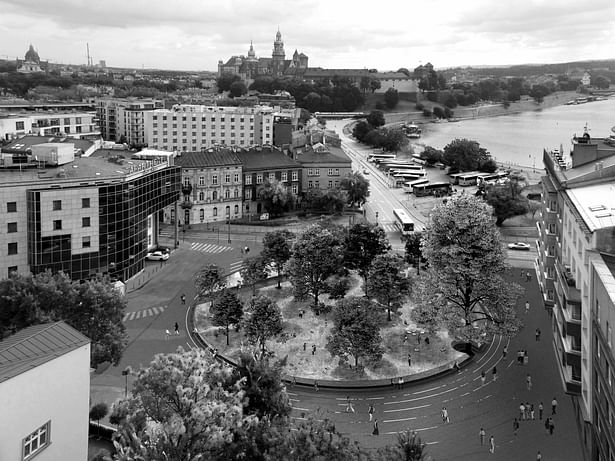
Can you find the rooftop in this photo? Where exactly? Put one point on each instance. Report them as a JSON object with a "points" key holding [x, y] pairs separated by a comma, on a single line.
{"points": [[319, 153], [208, 158], [259, 158], [24, 143], [36, 345], [595, 204]]}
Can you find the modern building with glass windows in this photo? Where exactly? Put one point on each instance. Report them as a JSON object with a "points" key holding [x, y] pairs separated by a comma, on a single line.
{"points": [[576, 273], [85, 216]]}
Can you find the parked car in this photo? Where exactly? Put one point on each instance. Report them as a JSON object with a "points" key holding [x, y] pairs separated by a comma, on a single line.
{"points": [[365, 171], [157, 256], [519, 246]]}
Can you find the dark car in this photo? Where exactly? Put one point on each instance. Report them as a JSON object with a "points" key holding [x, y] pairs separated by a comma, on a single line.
{"points": [[163, 249]]}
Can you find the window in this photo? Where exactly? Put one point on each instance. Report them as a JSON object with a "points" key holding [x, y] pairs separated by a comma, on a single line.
{"points": [[227, 193], [236, 193], [12, 248], [11, 227], [317, 171], [214, 195], [284, 176], [186, 181], [310, 172], [202, 215], [12, 269], [85, 222], [236, 178], [228, 211], [57, 224], [310, 184], [295, 189], [330, 172], [330, 186], [19, 126], [248, 179], [259, 178], [201, 196], [201, 180], [248, 194], [11, 207], [236, 209], [85, 203], [57, 205], [86, 242], [37, 441], [215, 211], [214, 179], [295, 176], [227, 178]]}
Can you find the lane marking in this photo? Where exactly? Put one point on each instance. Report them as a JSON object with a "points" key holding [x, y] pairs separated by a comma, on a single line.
{"points": [[421, 398], [406, 409], [398, 420]]}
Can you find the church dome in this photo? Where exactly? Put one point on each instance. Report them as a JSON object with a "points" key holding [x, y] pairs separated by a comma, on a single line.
{"points": [[32, 55]]}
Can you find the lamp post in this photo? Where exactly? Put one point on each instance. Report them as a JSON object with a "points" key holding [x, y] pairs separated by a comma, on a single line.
{"points": [[228, 221], [125, 373]]}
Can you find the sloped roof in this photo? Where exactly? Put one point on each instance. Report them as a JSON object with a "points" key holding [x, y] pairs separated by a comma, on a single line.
{"points": [[36, 345], [262, 158], [210, 157], [330, 154]]}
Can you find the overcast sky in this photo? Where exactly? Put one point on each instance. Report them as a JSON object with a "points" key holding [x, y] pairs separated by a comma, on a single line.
{"points": [[383, 34]]}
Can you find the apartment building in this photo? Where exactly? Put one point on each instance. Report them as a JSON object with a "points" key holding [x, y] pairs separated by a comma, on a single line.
{"points": [[84, 216], [211, 186], [323, 166], [190, 128], [69, 124], [575, 267], [122, 119]]}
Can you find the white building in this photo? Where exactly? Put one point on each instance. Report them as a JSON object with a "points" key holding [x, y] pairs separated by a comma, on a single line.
{"points": [[44, 394], [125, 117], [70, 124]]}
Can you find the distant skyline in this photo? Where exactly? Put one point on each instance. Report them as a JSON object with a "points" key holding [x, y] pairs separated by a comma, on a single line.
{"points": [[386, 35]]}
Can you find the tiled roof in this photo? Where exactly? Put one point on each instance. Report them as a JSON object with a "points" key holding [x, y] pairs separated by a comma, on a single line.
{"points": [[36, 345], [208, 158], [262, 158], [331, 154]]}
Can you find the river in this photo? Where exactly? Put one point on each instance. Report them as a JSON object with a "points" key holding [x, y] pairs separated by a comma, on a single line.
{"points": [[519, 139]]}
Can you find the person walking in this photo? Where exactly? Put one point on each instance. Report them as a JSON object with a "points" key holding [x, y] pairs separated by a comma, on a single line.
{"points": [[554, 406], [481, 435], [551, 426], [527, 306], [315, 385], [547, 424], [370, 412], [444, 414], [376, 430], [505, 351], [521, 411], [176, 329], [515, 427], [349, 406], [409, 360], [528, 277], [494, 372], [538, 456], [400, 382], [313, 349], [540, 410], [538, 334], [304, 346], [167, 334], [483, 377], [528, 382], [183, 298], [491, 445], [532, 412]]}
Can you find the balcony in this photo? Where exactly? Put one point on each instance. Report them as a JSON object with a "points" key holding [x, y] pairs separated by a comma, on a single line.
{"points": [[186, 204], [567, 284]]}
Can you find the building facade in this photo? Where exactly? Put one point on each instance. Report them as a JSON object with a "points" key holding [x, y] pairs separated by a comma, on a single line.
{"points": [[575, 246], [123, 119], [70, 124], [323, 166], [211, 186], [44, 393], [84, 216]]}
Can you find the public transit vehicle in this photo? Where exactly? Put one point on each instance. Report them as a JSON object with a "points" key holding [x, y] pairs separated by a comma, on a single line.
{"points": [[403, 221]]}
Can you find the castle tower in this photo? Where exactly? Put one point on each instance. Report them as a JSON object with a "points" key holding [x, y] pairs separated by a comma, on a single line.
{"points": [[251, 53], [278, 55]]}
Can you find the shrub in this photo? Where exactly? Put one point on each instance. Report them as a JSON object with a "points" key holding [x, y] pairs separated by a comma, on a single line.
{"points": [[427, 113], [419, 106]]}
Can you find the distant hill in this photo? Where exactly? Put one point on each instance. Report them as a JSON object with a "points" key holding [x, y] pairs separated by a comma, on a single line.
{"points": [[524, 70]]}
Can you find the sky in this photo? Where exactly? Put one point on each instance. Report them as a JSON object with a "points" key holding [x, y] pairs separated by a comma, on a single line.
{"points": [[384, 34]]}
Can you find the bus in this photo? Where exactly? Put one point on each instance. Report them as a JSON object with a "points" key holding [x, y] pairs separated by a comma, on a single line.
{"points": [[403, 221], [416, 158], [409, 184], [468, 178], [493, 177], [375, 158], [417, 173], [439, 189]]}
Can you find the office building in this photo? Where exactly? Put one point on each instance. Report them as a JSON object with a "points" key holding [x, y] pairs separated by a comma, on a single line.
{"points": [[81, 125], [122, 119]]}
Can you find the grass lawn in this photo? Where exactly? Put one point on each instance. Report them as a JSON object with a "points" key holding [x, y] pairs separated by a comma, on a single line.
{"points": [[300, 334]]}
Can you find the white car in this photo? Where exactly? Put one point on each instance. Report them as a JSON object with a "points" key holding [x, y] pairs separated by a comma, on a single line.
{"points": [[519, 246], [157, 256], [366, 171]]}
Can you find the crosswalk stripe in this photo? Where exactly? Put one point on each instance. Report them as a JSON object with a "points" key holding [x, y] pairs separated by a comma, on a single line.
{"points": [[209, 247]]}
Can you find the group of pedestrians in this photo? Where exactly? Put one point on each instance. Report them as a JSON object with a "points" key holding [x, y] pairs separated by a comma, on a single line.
{"points": [[370, 411]]}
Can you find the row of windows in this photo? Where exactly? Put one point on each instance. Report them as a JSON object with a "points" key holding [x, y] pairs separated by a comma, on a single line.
{"points": [[214, 179], [271, 177], [57, 204], [202, 118], [330, 172], [214, 194], [184, 146], [165, 128], [316, 184], [248, 192]]}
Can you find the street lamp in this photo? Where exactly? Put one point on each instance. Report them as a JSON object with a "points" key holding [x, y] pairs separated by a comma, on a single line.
{"points": [[125, 373], [228, 220]]}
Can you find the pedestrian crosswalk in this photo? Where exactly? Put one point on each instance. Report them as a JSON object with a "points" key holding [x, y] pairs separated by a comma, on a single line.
{"points": [[209, 247], [389, 227], [236, 266], [148, 312]]}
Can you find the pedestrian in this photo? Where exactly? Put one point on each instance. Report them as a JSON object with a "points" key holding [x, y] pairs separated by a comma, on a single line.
{"points": [[521, 411], [520, 356], [456, 366], [483, 377], [316, 385], [540, 409], [528, 382], [400, 382], [481, 434], [300, 313], [376, 431], [522, 273], [538, 456], [183, 298], [551, 426], [405, 339], [349, 406], [554, 406], [304, 346], [167, 334], [527, 306], [444, 414], [313, 349], [527, 410], [491, 445], [418, 339], [494, 372], [427, 340], [294, 383], [528, 277], [370, 412], [505, 351], [532, 412], [409, 360], [515, 427], [215, 353], [547, 424], [538, 334], [176, 328]]}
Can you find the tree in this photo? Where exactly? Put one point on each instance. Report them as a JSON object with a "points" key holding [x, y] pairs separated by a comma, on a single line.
{"points": [[360, 130], [275, 196], [391, 98], [362, 244], [356, 187], [538, 92], [255, 270], [506, 199], [432, 155], [374, 84], [237, 89], [208, 281], [316, 255], [264, 321], [464, 155], [277, 250], [225, 81], [600, 81], [465, 287], [409, 447], [387, 282], [227, 311], [412, 247], [376, 118], [98, 412], [393, 140], [355, 331], [94, 308]]}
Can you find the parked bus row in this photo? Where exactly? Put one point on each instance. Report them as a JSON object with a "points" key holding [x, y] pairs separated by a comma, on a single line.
{"points": [[423, 188], [472, 178]]}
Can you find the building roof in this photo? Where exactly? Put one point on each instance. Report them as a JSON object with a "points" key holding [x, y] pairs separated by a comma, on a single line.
{"points": [[320, 153], [26, 142], [263, 158], [595, 204], [208, 158], [36, 345]]}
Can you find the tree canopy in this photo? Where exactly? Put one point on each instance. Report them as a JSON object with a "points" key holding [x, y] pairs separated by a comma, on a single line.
{"points": [[465, 288], [277, 249], [376, 118], [263, 320], [362, 244], [254, 270], [387, 282], [94, 308], [356, 187], [391, 98], [506, 199], [275, 195], [465, 155], [209, 280], [227, 311]]}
